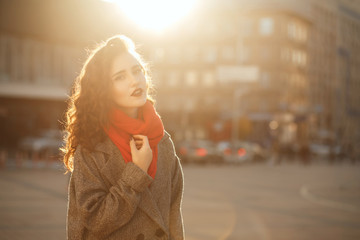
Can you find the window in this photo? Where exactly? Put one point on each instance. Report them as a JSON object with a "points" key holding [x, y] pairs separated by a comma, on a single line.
{"points": [[173, 79], [266, 26], [45, 63], [191, 53], [228, 53], [303, 59], [285, 54], [158, 55], [265, 79], [265, 53], [208, 79], [57, 63], [210, 54], [4, 55], [27, 51], [296, 57], [297, 32], [12, 59], [299, 57], [243, 53], [246, 27], [303, 34], [291, 30], [191, 78], [174, 55], [157, 77], [228, 28]]}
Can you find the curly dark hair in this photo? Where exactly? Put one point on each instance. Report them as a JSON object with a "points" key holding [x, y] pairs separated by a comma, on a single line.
{"points": [[90, 101]]}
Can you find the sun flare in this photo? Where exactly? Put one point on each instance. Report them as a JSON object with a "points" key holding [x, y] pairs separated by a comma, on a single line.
{"points": [[155, 15]]}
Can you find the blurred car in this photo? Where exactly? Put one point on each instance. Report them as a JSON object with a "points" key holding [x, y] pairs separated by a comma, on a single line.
{"points": [[240, 152], [198, 151], [48, 141], [323, 150]]}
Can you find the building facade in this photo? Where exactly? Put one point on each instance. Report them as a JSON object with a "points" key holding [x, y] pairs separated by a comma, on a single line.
{"points": [[234, 70], [333, 73]]}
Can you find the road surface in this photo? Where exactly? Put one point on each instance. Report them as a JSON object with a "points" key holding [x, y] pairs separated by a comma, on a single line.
{"points": [[221, 202]]}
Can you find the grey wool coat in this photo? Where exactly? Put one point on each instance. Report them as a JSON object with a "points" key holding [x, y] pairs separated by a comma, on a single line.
{"points": [[111, 199]]}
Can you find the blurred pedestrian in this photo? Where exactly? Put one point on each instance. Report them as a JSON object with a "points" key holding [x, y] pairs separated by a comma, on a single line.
{"points": [[305, 154], [126, 180], [3, 158]]}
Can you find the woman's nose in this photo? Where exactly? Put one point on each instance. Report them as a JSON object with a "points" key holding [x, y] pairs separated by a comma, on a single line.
{"points": [[134, 79]]}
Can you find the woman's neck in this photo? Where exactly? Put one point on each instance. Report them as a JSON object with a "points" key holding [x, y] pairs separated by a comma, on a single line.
{"points": [[131, 112]]}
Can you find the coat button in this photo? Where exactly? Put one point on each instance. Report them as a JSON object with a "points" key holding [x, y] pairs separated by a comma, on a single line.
{"points": [[140, 237], [159, 233]]}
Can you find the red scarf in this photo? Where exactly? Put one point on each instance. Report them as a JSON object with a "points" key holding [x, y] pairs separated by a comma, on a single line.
{"points": [[122, 127]]}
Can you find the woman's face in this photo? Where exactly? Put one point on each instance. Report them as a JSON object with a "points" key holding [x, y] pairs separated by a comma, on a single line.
{"points": [[129, 90]]}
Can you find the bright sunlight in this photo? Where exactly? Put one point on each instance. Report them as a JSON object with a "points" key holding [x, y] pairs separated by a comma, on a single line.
{"points": [[155, 15]]}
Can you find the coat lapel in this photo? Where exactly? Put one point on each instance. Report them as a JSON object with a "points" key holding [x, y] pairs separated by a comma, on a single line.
{"points": [[116, 164], [149, 206]]}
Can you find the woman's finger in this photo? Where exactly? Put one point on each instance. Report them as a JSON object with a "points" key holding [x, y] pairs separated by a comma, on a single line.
{"points": [[132, 145], [138, 136], [141, 139], [146, 141], [138, 143]]}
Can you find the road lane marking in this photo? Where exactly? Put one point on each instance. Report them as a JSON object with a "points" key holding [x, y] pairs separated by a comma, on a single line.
{"points": [[305, 193]]}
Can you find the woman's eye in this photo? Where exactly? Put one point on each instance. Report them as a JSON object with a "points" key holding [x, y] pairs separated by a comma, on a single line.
{"points": [[119, 78]]}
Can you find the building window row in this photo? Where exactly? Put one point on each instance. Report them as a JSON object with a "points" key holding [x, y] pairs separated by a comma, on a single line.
{"points": [[297, 32], [30, 61], [205, 55], [190, 78], [295, 56], [263, 26], [266, 26]]}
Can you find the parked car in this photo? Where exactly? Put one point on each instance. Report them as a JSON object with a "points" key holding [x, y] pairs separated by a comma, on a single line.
{"points": [[325, 151], [198, 151], [48, 141], [240, 152]]}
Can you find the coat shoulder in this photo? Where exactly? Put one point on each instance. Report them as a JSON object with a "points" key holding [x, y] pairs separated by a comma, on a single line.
{"points": [[166, 143], [91, 158], [168, 151]]}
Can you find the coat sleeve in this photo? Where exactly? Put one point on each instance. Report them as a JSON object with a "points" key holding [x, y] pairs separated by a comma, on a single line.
{"points": [[176, 220], [102, 210]]}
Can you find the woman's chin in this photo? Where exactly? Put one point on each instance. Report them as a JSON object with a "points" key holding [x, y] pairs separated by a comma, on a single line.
{"points": [[138, 103]]}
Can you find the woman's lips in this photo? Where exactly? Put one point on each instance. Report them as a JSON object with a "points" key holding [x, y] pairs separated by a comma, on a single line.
{"points": [[137, 93]]}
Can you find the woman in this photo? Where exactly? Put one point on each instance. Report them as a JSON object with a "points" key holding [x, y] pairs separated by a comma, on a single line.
{"points": [[126, 180]]}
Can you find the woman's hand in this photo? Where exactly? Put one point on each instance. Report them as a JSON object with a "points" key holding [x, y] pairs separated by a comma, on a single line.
{"points": [[141, 152]]}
